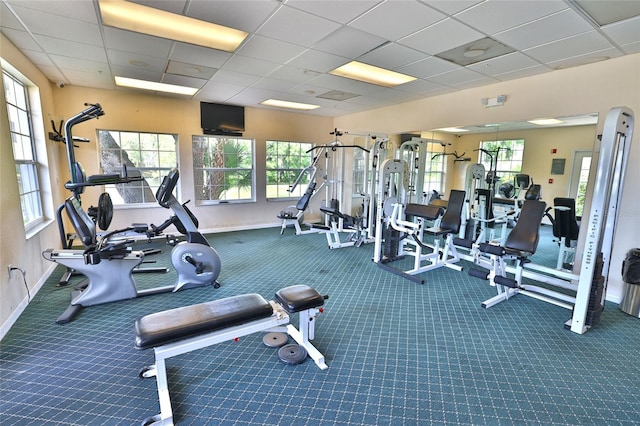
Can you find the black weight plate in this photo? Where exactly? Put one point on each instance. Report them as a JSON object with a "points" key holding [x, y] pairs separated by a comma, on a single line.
{"points": [[292, 354], [105, 211], [275, 340]]}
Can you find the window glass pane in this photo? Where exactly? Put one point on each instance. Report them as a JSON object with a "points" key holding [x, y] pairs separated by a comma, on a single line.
{"points": [[286, 161], [22, 144], [223, 168], [141, 155]]}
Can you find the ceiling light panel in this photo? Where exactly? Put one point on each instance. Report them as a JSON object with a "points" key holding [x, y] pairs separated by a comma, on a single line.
{"points": [[370, 74], [152, 85], [147, 20], [289, 104]]}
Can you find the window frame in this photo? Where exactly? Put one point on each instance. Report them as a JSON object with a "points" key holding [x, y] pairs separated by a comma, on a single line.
{"points": [[34, 216], [197, 168], [433, 148], [301, 186], [152, 182], [482, 159]]}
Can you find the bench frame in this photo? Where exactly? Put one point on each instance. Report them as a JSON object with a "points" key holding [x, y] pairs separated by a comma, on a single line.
{"points": [[277, 322]]}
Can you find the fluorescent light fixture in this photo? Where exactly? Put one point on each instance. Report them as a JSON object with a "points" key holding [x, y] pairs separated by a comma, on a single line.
{"points": [[545, 121], [158, 87], [288, 104], [370, 74], [147, 20], [451, 130]]}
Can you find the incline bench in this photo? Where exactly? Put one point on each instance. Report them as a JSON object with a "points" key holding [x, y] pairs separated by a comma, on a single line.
{"points": [[181, 330]]}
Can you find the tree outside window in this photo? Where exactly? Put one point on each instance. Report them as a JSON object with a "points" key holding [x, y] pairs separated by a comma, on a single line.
{"points": [[223, 169]]}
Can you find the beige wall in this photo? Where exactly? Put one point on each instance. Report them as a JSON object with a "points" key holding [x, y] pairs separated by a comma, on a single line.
{"points": [[15, 248], [591, 88], [143, 112]]}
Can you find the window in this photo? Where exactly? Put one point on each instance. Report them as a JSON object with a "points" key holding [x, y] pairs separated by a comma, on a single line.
{"points": [[434, 170], [150, 155], [285, 162], [223, 169], [24, 150], [503, 158], [359, 170]]}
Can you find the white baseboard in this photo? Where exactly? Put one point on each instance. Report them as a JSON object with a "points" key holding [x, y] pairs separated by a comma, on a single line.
{"points": [[6, 326]]}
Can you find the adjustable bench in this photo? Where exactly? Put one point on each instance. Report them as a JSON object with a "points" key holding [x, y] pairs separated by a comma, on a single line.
{"points": [[181, 330]]}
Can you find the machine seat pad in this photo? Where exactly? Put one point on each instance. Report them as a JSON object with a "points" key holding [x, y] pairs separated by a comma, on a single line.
{"points": [[188, 321], [429, 212], [298, 298]]}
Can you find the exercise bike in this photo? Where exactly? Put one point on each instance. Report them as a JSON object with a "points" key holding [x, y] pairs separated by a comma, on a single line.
{"points": [[108, 264]]}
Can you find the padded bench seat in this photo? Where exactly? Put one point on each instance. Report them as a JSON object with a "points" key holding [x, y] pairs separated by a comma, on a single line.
{"points": [[189, 321], [298, 298]]}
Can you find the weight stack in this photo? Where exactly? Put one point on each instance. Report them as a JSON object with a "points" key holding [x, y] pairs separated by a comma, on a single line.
{"points": [[391, 245], [595, 308]]}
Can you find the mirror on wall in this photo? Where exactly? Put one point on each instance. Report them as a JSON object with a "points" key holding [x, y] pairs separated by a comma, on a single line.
{"points": [[554, 153]]}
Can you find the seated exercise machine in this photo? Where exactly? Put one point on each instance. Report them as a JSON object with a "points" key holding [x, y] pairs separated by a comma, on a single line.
{"points": [[520, 245], [341, 222], [289, 217], [109, 266], [186, 329], [437, 254], [565, 228]]}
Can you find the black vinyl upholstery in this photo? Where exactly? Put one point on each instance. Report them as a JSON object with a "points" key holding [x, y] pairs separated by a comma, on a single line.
{"points": [[81, 221], [189, 321], [565, 223], [525, 235]]}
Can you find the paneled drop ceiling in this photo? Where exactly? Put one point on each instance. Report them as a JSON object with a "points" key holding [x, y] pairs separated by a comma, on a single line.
{"points": [[292, 44]]}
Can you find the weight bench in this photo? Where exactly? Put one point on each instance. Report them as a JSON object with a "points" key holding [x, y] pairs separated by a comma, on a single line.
{"points": [[181, 330]]}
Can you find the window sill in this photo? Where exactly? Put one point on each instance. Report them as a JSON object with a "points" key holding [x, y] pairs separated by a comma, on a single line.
{"points": [[35, 228]]}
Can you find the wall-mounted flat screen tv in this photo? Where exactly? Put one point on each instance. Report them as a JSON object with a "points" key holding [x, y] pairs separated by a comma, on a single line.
{"points": [[221, 119]]}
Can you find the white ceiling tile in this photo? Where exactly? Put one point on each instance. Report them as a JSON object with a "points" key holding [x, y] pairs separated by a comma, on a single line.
{"points": [[218, 92], [73, 9], [268, 49], [235, 78], [631, 48], [346, 11], [8, 19], [198, 55], [451, 7], [504, 64], [419, 86], [521, 73], [348, 42], [182, 80], [493, 16], [624, 32], [428, 67], [71, 48], [134, 60], [90, 79], [274, 84], [474, 83], [118, 39], [293, 74], [431, 41], [544, 30], [52, 72], [78, 64], [137, 73], [396, 19], [344, 84], [65, 28], [456, 77], [39, 58], [245, 15], [21, 39], [587, 58], [318, 61], [250, 65], [392, 56], [569, 47], [298, 27]]}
